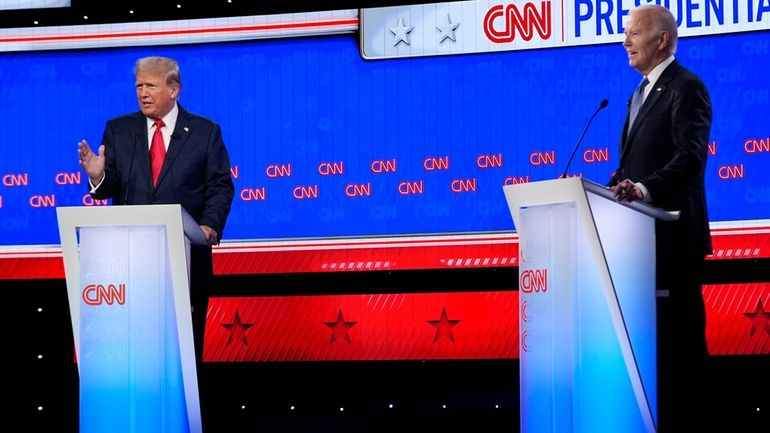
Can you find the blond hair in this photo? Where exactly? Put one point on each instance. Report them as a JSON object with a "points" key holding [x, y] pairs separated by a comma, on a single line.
{"points": [[164, 66]]}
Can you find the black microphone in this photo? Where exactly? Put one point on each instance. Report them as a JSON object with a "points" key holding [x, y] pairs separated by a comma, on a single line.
{"points": [[137, 137], [582, 134]]}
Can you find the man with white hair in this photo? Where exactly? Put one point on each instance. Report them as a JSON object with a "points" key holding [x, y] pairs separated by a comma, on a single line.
{"points": [[663, 154]]}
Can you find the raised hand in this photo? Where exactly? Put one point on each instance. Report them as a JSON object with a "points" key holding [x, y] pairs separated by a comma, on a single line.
{"points": [[90, 162]]}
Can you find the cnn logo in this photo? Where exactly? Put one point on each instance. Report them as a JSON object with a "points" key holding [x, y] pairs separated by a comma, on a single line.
{"points": [[533, 281], [99, 294]]}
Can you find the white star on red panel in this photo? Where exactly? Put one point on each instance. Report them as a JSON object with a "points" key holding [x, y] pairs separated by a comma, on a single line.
{"points": [[340, 328], [444, 327]]}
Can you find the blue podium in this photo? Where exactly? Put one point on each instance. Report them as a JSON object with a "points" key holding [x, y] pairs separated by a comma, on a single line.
{"points": [[587, 308], [127, 272]]}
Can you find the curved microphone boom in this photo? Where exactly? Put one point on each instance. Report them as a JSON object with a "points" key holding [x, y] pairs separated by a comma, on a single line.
{"points": [[582, 134]]}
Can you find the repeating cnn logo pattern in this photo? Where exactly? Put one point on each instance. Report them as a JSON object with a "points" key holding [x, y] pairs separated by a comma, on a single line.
{"points": [[100, 294], [501, 23], [533, 281]]}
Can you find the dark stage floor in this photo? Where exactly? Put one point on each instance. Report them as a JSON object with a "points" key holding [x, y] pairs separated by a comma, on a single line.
{"points": [[451, 396]]}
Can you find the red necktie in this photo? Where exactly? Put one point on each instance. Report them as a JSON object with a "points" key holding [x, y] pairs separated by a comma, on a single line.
{"points": [[157, 151]]}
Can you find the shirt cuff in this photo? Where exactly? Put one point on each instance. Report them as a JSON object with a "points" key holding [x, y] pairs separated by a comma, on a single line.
{"points": [[646, 197], [95, 187]]}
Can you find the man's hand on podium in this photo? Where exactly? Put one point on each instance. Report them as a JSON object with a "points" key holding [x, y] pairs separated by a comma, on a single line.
{"points": [[627, 191], [212, 238]]}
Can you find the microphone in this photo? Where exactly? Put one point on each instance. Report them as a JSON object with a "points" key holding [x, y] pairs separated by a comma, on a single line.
{"points": [[582, 134], [137, 137]]}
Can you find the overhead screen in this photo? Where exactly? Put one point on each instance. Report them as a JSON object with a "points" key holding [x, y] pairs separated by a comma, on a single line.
{"points": [[326, 144]]}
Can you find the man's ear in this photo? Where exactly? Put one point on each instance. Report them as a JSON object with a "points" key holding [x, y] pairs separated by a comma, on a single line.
{"points": [[664, 40]]}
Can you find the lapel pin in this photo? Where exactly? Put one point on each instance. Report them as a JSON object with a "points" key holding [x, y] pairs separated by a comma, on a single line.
{"points": [[186, 129], [658, 89]]}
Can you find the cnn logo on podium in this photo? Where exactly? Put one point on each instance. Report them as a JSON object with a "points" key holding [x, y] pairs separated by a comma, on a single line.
{"points": [[100, 294], [533, 281]]}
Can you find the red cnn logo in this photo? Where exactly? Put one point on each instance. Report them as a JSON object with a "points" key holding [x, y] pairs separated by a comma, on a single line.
{"points": [[533, 280], [67, 178], [16, 179], [253, 194], [514, 20], [278, 170], [98, 294]]}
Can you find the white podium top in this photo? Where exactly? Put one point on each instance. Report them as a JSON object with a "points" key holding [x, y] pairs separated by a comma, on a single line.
{"points": [[130, 215], [645, 208]]}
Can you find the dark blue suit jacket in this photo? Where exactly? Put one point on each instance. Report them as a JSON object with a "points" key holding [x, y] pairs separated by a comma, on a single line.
{"points": [[195, 173], [666, 150]]}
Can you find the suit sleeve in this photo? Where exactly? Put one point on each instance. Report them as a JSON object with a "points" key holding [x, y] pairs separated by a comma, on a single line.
{"points": [[219, 189], [690, 127]]}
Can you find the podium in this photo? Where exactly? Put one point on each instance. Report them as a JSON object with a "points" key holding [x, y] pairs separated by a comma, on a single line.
{"points": [[586, 308], [127, 273]]}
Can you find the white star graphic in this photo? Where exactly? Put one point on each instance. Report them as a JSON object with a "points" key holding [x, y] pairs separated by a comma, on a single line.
{"points": [[401, 32], [447, 30]]}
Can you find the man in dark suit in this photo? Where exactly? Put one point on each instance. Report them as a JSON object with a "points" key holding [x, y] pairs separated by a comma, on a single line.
{"points": [[165, 155], [662, 161]]}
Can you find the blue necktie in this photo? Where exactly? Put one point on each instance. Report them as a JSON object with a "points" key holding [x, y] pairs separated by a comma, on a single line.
{"points": [[636, 102]]}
